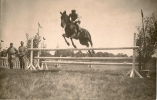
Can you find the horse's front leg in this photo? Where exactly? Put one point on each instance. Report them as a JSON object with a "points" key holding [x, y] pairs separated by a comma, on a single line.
{"points": [[64, 35], [73, 43]]}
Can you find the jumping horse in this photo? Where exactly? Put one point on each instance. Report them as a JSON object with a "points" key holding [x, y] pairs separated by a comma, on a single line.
{"points": [[71, 32]]}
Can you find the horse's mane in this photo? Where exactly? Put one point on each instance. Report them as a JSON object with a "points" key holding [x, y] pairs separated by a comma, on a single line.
{"points": [[64, 13]]}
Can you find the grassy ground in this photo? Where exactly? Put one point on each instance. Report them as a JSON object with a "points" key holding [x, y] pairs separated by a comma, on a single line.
{"points": [[75, 82]]}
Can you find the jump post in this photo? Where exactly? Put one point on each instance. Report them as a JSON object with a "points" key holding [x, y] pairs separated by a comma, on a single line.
{"points": [[44, 63]]}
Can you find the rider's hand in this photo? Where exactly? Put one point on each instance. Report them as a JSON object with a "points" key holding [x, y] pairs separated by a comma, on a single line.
{"points": [[73, 21]]}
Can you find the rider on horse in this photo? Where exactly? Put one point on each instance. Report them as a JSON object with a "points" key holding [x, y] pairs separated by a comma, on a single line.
{"points": [[75, 19]]}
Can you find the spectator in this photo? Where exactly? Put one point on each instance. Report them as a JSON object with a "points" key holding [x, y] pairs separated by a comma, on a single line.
{"points": [[11, 51], [22, 52]]}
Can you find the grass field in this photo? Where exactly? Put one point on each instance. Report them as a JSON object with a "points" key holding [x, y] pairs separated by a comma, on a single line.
{"points": [[75, 82]]}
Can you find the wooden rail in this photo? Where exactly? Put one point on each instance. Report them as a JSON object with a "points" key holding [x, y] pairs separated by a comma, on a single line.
{"points": [[86, 58], [107, 48], [85, 63]]}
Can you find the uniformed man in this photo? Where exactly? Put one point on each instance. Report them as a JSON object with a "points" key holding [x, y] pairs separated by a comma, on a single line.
{"points": [[75, 19], [3, 54], [22, 52], [11, 51]]}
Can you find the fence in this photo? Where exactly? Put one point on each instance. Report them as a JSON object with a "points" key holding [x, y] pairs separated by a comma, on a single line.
{"points": [[16, 63], [44, 63]]}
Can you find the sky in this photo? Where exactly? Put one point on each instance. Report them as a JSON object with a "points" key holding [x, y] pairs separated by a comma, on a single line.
{"points": [[111, 23]]}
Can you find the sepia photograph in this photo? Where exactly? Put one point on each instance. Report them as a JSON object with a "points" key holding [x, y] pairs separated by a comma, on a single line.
{"points": [[78, 49]]}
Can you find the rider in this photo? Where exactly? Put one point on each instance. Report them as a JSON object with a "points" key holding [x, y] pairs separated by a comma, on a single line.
{"points": [[75, 19]]}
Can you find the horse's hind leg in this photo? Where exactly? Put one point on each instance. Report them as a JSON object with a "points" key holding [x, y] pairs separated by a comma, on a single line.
{"points": [[64, 35], [73, 43], [90, 66], [91, 45]]}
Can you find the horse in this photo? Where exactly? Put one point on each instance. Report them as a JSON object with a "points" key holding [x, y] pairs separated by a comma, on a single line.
{"points": [[71, 32]]}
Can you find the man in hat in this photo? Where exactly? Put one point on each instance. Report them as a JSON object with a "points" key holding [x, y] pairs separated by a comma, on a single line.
{"points": [[3, 54], [22, 52], [11, 51], [75, 19]]}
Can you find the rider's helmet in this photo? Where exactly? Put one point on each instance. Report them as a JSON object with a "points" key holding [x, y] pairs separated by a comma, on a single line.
{"points": [[73, 11]]}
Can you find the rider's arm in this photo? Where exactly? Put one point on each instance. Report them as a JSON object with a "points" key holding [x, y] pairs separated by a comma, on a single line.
{"points": [[70, 16], [78, 18]]}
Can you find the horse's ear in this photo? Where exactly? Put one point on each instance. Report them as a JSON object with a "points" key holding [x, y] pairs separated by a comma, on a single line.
{"points": [[64, 12], [61, 13]]}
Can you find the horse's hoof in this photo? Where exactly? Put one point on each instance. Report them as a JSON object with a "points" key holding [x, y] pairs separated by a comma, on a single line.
{"points": [[68, 44], [75, 46], [93, 51]]}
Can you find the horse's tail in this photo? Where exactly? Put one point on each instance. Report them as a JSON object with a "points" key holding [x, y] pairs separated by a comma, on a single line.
{"points": [[90, 40]]}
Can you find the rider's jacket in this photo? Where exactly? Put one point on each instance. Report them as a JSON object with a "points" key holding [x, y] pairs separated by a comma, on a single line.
{"points": [[74, 17]]}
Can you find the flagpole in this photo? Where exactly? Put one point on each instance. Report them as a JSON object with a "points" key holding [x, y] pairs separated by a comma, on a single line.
{"points": [[38, 47], [144, 45], [0, 46]]}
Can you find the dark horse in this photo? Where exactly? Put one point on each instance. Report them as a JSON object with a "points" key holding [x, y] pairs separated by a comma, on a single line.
{"points": [[71, 32]]}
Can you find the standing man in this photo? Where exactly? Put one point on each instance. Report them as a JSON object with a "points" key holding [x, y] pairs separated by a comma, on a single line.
{"points": [[11, 51], [22, 52], [4, 61]]}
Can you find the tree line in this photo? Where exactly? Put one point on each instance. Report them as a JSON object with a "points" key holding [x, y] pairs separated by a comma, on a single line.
{"points": [[147, 40], [71, 53]]}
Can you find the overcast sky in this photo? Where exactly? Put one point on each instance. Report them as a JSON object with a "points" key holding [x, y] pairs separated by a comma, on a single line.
{"points": [[111, 23]]}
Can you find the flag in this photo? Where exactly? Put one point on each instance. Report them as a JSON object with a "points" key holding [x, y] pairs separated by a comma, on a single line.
{"points": [[141, 13], [57, 46], [2, 41], [27, 36], [39, 25], [44, 38], [37, 34]]}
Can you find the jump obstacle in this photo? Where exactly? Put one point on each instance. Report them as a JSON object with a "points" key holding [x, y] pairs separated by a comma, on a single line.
{"points": [[44, 63]]}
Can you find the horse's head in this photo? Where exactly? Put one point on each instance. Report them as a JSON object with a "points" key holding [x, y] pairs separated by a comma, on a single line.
{"points": [[64, 19]]}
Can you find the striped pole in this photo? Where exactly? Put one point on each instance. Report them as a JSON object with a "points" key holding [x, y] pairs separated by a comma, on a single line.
{"points": [[31, 66]]}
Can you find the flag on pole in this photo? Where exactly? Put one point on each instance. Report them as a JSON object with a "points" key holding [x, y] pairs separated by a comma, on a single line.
{"points": [[39, 25], [44, 38], [57, 46], [2, 41], [141, 13], [27, 36]]}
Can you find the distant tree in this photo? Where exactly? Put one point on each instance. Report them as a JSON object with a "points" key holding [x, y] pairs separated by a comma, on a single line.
{"points": [[36, 42], [147, 38], [78, 54], [111, 55], [58, 53], [121, 55], [99, 54], [125, 55], [70, 53], [45, 54], [106, 54], [64, 53]]}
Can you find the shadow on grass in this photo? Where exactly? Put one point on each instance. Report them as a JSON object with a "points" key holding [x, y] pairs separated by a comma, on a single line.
{"points": [[93, 71], [44, 71]]}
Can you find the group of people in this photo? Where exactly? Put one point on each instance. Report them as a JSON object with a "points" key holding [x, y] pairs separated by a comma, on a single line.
{"points": [[13, 52]]}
